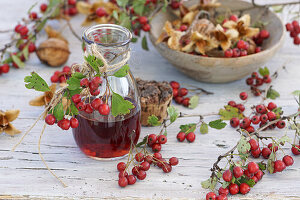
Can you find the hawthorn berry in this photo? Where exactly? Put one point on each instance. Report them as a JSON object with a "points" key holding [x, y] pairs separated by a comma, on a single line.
{"points": [[263, 118], [33, 15], [266, 152], [241, 44], [228, 53], [31, 47], [238, 172], [160, 162], [191, 137], [74, 122], [270, 146], [157, 156], [178, 99], [243, 95], [88, 108], [227, 175], [50, 119], [236, 52], [254, 144], [248, 174], [182, 92], [253, 167], [261, 109], [131, 179], [295, 150], [249, 81], [65, 124], [255, 179], [233, 188], [80, 106], [43, 7], [62, 79], [167, 168], [211, 196], [280, 124], [264, 34], [289, 27], [123, 174], [223, 191], [186, 102], [141, 175], [250, 129], [173, 161], [279, 166], [123, 182], [23, 31], [259, 174], [72, 2], [175, 92], [257, 49], [96, 103], [222, 197], [267, 79], [139, 157], [152, 139], [101, 12], [104, 109], [121, 166], [84, 82], [175, 4], [256, 153], [96, 81], [183, 27], [234, 122], [156, 147], [288, 160], [255, 119], [76, 98], [181, 136], [272, 106], [271, 116], [135, 170], [244, 188], [146, 27], [233, 18], [4, 68], [143, 20], [245, 123], [232, 103], [175, 84], [241, 107], [145, 166], [149, 159], [162, 139]]}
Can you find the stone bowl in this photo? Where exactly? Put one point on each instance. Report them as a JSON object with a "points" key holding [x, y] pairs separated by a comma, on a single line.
{"points": [[221, 70]]}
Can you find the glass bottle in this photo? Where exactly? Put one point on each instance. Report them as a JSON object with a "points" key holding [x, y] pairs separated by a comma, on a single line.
{"points": [[108, 137]]}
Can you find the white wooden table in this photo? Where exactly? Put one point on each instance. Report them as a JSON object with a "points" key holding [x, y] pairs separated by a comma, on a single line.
{"points": [[23, 175]]}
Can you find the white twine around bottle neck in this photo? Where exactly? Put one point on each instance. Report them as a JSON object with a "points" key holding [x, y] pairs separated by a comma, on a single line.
{"points": [[106, 67]]}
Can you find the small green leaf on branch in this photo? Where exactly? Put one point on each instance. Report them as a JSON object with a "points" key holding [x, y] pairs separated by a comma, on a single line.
{"points": [[153, 121], [58, 111], [94, 62], [144, 141], [120, 106], [243, 146], [36, 82], [204, 128], [18, 61], [172, 113], [187, 128], [230, 112], [217, 124], [209, 183], [123, 71], [264, 71], [194, 101], [272, 94], [145, 44]]}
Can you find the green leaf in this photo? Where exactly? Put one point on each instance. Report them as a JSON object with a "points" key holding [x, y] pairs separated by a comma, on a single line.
{"points": [[296, 93], [225, 184], [194, 101], [138, 6], [120, 106], [278, 111], [58, 111], [94, 62], [145, 44], [25, 52], [144, 141], [187, 128], [134, 40], [54, 7], [217, 124], [123, 71], [262, 166], [204, 128], [272, 94], [153, 121], [115, 15], [122, 3], [251, 182], [78, 75], [73, 109], [230, 112], [30, 9], [209, 183], [73, 83], [264, 71], [77, 91], [270, 164], [284, 139], [173, 114], [243, 146], [220, 19], [124, 20], [278, 9], [36, 82], [17, 60]]}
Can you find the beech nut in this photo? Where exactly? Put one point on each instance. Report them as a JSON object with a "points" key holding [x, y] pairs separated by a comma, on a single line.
{"points": [[53, 52]]}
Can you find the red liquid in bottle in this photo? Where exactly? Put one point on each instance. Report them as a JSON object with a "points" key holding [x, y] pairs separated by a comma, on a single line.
{"points": [[107, 139]]}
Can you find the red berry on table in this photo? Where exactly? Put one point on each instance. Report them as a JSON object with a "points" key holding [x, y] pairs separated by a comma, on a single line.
{"points": [[152, 139], [256, 153], [250, 129], [253, 167], [143, 20], [146, 27], [186, 102], [266, 152], [232, 103], [135, 170], [80, 106], [238, 172], [293, 34], [23, 31], [263, 118], [255, 119], [259, 174], [131, 179], [253, 144], [65, 124], [267, 79], [123, 182], [157, 156], [96, 81], [182, 92], [264, 34], [167, 168], [95, 92], [175, 84], [243, 95], [249, 81], [4, 68], [123, 174], [288, 160], [43, 7], [121, 166], [178, 99], [84, 83], [259, 81], [257, 49], [50, 119], [261, 109], [149, 159], [74, 122], [280, 124], [228, 53], [296, 150], [183, 27], [173, 161], [33, 15], [289, 27], [181, 136], [245, 123], [222, 197], [234, 122], [62, 79], [141, 175], [18, 28], [162, 139], [191, 137], [248, 174], [233, 18], [96, 103], [244, 188], [211, 196], [175, 92], [227, 175], [139, 157], [72, 2], [233, 188], [271, 116], [101, 12], [104, 109], [145, 166], [296, 40], [160, 162], [31, 47], [241, 107], [254, 75], [272, 106], [279, 166], [236, 52], [224, 191], [76, 98], [295, 23], [88, 108], [156, 147]]}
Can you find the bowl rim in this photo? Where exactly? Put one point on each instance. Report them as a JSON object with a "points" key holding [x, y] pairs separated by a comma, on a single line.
{"points": [[264, 52]]}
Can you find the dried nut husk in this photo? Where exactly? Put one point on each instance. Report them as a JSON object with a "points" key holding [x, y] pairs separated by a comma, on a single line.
{"points": [[53, 52]]}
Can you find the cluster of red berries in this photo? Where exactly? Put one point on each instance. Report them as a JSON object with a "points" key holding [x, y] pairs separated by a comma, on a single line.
{"points": [[259, 39], [263, 115], [256, 81], [97, 103], [64, 124], [175, 4], [179, 94], [70, 8], [155, 142], [189, 136], [143, 164], [61, 76], [294, 30], [141, 23]]}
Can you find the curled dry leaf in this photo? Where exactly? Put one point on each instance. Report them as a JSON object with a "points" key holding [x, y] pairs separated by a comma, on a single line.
{"points": [[5, 119], [53, 52], [225, 37]]}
